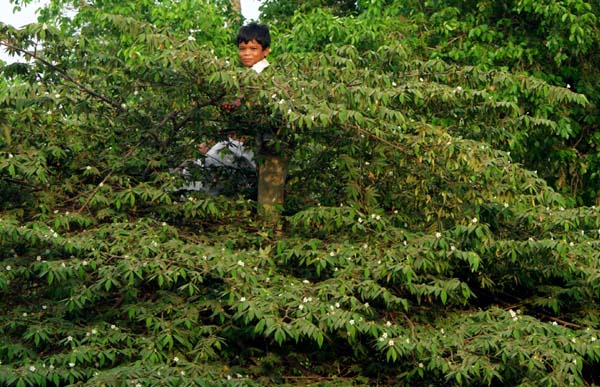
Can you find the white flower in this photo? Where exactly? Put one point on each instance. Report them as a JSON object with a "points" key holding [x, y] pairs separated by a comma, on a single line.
{"points": [[301, 306], [388, 323], [367, 163], [56, 95], [452, 248], [405, 243], [575, 361], [360, 220], [378, 217], [71, 364], [391, 343], [241, 263], [69, 338], [281, 101], [384, 335], [8, 268], [351, 322], [442, 331], [242, 299], [593, 339], [395, 211], [421, 79], [123, 106], [568, 86], [175, 359], [438, 235], [366, 305], [332, 254], [138, 385], [554, 323], [505, 205], [113, 327], [274, 96], [394, 84], [32, 368], [458, 88], [182, 373], [421, 365], [305, 281], [191, 38], [365, 246], [44, 307], [474, 220], [94, 331], [573, 340], [331, 307], [24, 314], [337, 304]]}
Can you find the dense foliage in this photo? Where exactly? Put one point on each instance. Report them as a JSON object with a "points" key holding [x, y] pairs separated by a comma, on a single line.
{"points": [[556, 41], [416, 247]]}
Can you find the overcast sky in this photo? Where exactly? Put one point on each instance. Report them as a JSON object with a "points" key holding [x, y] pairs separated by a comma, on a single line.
{"points": [[28, 15]]}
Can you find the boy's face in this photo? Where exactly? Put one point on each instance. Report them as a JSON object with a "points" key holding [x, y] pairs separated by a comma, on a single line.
{"points": [[251, 53]]}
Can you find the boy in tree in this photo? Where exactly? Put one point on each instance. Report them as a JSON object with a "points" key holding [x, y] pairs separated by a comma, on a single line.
{"points": [[253, 42]]}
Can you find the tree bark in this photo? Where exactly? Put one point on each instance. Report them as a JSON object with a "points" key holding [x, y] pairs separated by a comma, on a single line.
{"points": [[236, 6], [271, 184]]}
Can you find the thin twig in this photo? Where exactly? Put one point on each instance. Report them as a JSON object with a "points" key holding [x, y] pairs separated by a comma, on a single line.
{"points": [[95, 191]]}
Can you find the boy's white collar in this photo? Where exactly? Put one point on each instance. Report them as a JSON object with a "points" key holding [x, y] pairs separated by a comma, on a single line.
{"points": [[260, 66]]}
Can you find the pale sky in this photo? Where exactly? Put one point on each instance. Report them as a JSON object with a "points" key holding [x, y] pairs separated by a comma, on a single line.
{"points": [[28, 15]]}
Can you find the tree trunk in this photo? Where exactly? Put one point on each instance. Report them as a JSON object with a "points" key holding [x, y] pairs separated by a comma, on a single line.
{"points": [[271, 183], [236, 6]]}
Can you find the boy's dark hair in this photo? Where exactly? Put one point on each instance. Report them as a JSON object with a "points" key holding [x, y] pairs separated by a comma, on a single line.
{"points": [[255, 31]]}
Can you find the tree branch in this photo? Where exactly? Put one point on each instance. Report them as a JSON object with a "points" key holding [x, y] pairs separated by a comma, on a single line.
{"points": [[66, 76]]}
